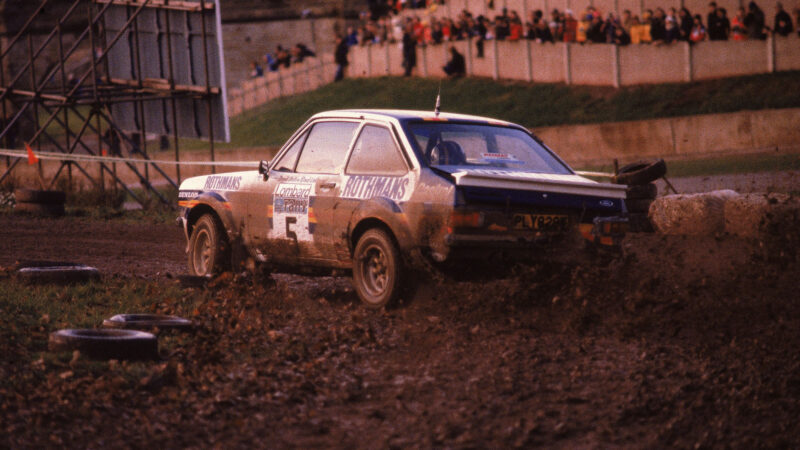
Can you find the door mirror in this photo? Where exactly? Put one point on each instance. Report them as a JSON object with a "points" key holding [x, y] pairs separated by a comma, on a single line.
{"points": [[263, 169]]}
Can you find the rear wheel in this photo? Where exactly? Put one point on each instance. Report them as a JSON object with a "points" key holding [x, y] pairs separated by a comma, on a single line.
{"points": [[208, 247], [377, 269]]}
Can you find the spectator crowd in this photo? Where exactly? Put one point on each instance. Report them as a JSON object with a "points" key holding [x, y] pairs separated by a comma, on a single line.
{"points": [[281, 57], [383, 23]]}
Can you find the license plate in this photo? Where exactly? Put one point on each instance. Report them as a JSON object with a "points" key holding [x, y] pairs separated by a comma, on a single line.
{"points": [[541, 222]]}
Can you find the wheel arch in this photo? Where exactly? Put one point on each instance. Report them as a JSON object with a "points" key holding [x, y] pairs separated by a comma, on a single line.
{"points": [[367, 224], [215, 208], [380, 213]]}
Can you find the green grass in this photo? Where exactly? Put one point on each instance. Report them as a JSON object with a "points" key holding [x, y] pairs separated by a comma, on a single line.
{"points": [[531, 105], [721, 165], [28, 313]]}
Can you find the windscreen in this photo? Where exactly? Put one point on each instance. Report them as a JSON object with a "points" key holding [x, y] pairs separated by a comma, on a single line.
{"points": [[465, 144]]}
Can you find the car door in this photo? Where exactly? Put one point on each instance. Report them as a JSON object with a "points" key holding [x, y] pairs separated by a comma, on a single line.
{"points": [[375, 168], [303, 190], [260, 207]]}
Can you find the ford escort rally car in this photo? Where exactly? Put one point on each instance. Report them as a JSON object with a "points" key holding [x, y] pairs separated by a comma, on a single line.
{"points": [[377, 192]]}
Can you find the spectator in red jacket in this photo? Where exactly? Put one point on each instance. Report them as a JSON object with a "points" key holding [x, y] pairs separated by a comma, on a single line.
{"points": [[698, 30]]}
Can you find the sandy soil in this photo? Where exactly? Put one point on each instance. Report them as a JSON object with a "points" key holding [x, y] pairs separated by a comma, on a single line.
{"points": [[673, 342]]}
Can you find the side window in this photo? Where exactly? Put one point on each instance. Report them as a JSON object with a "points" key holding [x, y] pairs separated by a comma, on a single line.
{"points": [[326, 147], [376, 153], [289, 159]]}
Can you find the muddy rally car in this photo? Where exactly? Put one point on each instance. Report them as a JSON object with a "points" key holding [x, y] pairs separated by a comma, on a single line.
{"points": [[381, 192]]}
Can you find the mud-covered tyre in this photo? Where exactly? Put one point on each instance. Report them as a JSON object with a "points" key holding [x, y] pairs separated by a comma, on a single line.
{"points": [[645, 191], [43, 197], [106, 344], [642, 172], [148, 322], [639, 223], [638, 205], [47, 272], [39, 209], [208, 248], [377, 269]]}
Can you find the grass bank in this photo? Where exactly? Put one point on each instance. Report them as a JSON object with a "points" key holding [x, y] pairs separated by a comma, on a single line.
{"points": [[531, 105]]}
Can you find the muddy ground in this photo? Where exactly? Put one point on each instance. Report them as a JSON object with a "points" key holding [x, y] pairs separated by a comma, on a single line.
{"points": [[673, 342]]}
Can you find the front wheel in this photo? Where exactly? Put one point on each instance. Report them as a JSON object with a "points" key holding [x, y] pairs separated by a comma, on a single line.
{"points": [[208, 247], [377, 269]]}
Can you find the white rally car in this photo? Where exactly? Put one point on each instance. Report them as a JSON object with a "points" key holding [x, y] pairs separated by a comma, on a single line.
{"points": [[379, 192]]}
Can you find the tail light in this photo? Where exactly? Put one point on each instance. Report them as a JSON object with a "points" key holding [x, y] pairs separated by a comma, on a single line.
{"points": [[465, 219]]}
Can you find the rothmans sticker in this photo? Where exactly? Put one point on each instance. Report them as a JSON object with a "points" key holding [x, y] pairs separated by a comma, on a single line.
{"points": [[368, 187]]}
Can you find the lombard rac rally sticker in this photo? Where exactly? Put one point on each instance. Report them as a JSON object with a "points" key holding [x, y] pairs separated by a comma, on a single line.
{"points": [[500, 158], [291, 212]]}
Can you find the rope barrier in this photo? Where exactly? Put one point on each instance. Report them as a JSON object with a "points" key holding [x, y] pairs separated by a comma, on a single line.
{"points": [[57, 156], [585, 173]]}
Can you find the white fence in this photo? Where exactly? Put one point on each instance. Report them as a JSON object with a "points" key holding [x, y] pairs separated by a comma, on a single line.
{"points": [[590, 64], [587, 64], [296, 79]]}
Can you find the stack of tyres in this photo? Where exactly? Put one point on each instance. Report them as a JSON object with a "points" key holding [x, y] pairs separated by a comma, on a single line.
{"points": [[39, 203], [641, 191], [638, 200]]}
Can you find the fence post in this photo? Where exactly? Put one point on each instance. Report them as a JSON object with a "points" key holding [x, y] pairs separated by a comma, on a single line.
{"points": [[388, 67], [770, 53], [280, 82], [496, 65], [567, 69], [424, 61], [470, 42], [687, 51], [615, 64], [528, 61], [369, 59]]}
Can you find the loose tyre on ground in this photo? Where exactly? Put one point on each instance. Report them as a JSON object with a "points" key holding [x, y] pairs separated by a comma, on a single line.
{"points": [[39, 203], [43, 272], [377, 269], [43, 197], [106, 344], [208, 247], [40, 209], [148, 322]]}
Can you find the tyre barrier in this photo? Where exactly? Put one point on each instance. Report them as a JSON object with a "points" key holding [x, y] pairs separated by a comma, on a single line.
{"points": [[148, 322], [641, 172], [642, 191], [638, 205], [39, 203], [46, 272], [639, 223], [106, 343]]}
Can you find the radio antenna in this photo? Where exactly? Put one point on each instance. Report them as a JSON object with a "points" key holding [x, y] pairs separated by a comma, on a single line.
{"points": [[436, 109]]}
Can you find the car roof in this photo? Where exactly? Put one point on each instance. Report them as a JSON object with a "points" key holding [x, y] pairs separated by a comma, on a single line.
{"points": [[403, 114]]}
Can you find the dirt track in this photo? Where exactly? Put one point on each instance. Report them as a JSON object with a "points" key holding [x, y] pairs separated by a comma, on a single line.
{"points": [[677, 341]]}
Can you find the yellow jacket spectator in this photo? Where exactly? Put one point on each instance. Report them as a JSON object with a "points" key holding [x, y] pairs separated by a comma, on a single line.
{"points": [[580, 32]]}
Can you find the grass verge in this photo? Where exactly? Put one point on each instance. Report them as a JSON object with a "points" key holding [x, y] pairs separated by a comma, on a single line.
{"points": [[531, 105]]}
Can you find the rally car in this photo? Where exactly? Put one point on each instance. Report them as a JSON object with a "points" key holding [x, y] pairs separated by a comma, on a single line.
{"points": [[378, 192]]}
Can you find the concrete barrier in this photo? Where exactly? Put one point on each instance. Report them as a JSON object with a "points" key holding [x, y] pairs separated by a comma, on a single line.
{"points": [[731, 133], [591, 64], [690, 214]]}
